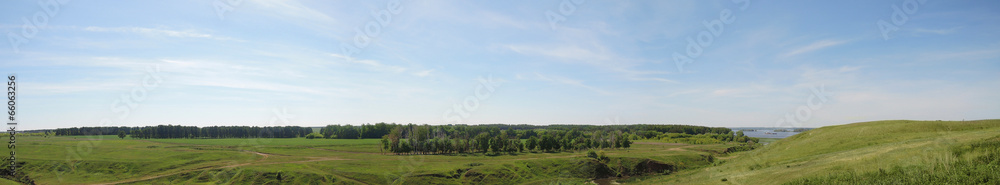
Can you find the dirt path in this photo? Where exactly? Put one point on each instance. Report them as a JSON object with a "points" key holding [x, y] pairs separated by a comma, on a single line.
{"points": [[313, 159]]}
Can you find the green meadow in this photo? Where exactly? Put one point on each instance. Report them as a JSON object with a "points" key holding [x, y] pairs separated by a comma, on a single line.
{"points": [[110, 160], [880, 152]]}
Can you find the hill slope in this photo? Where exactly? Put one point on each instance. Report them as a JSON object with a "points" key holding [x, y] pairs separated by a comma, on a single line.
{"points": [[867, 152]]}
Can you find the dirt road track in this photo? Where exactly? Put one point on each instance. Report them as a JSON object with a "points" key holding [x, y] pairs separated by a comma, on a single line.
{"points": [[265, 156]]}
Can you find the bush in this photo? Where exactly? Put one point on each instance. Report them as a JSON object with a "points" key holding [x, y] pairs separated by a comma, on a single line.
{"points": [[592, 154], [603, 158]]}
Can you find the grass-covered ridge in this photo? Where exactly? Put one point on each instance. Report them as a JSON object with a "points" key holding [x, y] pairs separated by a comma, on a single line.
{"points": [[851, 153]]}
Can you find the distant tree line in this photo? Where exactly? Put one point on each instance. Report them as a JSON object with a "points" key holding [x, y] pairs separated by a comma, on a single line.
{"points": [[426, 139], [464, 133], [357, 132], [177, 131], [83, 131], [375, 131]]}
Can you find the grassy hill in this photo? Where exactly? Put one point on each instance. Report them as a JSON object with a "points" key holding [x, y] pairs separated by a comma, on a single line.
{"points": [[910, 152]]}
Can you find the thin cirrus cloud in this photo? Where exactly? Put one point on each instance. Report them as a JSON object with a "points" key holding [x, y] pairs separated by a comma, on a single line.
{"points": [[157, 32], [945, 31], [378, 66], [818, 45]]}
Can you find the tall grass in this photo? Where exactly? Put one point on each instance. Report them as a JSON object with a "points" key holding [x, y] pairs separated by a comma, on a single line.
{"points": [[863, 153], [979, 163]]}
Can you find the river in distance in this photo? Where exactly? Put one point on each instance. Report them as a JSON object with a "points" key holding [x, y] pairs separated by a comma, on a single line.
{"points": [[764, 132]]}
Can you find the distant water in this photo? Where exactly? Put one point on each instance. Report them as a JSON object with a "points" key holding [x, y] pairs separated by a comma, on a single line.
{"points": [[762, 133]]}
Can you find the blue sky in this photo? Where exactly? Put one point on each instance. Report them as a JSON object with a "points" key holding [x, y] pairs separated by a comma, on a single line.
{"points": [[591, 62]]}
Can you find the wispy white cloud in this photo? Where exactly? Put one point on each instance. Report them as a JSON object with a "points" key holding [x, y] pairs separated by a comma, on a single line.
{"points": [[636, 75], [937, 31], [295, 12], [294, 9], [818, 45], [570, 53], [378, 66], [684, 92], [339, 56], [70, 87], [745, 91], [960, 55], [595, 55], [493, 19], [423, 73], [157, 32]]}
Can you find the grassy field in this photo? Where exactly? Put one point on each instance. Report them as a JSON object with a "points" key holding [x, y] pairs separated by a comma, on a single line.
{"points": [[911, 152], [108, 159], [908, 152]]}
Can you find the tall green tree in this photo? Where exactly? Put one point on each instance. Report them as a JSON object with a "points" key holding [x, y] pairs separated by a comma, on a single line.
{"points": [[483, 142], [626, 142], [532, 143], [496, 144]]}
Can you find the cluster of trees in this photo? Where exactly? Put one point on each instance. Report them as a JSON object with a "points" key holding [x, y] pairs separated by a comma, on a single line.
{"points": [[177, 131], [369, 131], [426, 139], [375, 131], [84, 131], [708, 138], [580, 140], [687, 129], [165, 131], [704, 138]]}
